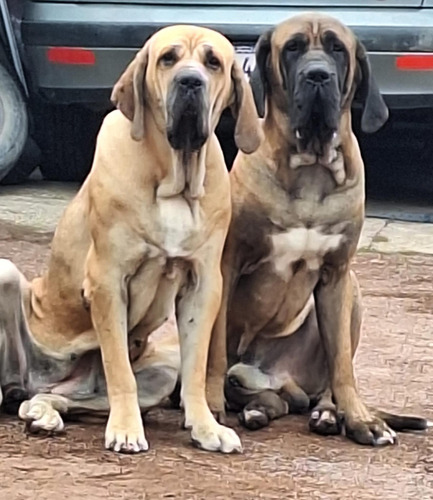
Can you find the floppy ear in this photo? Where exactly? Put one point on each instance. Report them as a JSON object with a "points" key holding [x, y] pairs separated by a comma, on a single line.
{"points": [[128, 92], [259, 77], [247, 130], [375, 112]]}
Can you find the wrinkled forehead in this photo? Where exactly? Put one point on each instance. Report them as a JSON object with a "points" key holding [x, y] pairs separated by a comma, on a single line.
{"points": [[191, 41], [313, 28]]}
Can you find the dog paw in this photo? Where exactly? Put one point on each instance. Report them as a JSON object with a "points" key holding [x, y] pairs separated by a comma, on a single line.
{"points": [[254, 418], [125, 435], [39, 415], [374, 432], [325, 421], [259, 412], [216, 437]]}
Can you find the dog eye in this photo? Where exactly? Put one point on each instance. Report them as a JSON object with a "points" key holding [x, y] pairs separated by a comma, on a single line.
{"points": [[337, 47], [213, 62], [292, 46], [168, 58]]}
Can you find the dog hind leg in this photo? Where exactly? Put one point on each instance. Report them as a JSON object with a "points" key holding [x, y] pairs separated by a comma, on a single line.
{"points": [[156, 379], [44, 412], [13, 360], [259, 399]]}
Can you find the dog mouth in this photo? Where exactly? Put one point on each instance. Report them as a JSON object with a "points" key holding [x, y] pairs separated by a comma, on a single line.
{"points": [[316, 113], [187, 110], [314, 138], [187, 131]]}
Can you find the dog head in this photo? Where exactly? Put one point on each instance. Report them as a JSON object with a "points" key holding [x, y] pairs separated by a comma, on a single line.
{"points": [[185, 76], [311, 67]]}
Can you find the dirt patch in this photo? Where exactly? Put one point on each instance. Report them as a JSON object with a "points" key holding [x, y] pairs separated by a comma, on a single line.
{"points": [[394, 368]]}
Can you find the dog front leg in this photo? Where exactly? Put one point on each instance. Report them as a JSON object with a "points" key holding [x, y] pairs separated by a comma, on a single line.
{"points": [[217, 362], [105, 290], [196, 313], [334, 303]]}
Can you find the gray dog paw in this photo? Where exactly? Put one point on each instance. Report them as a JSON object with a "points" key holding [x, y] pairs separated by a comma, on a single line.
{"points": [[325, 421]]}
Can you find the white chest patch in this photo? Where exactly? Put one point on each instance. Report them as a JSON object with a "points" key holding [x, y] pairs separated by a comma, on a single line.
{"points": [[299, 243], [178, 226]]}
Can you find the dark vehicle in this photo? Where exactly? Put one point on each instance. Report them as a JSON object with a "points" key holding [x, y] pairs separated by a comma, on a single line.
{"points": [[59, 60]]}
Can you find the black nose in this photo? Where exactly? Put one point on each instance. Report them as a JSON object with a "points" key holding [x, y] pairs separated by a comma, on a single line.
{"points": [[191, 82], [318, 76]]}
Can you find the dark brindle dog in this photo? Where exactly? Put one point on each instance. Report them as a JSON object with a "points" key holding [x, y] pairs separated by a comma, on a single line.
{"points": [[291, 303]]}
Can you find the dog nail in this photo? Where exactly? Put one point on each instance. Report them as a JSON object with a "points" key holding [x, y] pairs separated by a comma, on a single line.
{"points": [[250, 414], [385, 439], [109, 445]]}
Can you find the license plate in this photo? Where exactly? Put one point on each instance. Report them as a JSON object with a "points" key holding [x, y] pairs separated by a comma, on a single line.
{"points": [[246, 58]]}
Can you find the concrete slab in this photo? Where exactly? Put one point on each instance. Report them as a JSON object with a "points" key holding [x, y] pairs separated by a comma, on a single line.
{"points": [[372, 227], [33, 209], [404, 237]]}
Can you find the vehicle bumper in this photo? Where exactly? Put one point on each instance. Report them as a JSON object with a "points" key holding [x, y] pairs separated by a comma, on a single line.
{"points": [[114, 32]]}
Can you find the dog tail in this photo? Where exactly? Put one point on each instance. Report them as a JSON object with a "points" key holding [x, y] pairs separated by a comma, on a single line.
{"points": [[403, 422]]}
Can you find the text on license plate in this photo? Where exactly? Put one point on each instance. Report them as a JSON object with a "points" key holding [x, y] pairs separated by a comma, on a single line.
{"points": [[246, 58]]}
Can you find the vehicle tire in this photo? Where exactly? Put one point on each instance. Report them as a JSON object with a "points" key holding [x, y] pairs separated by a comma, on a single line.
{"points": [[13, 122], [25, 165], [66, 136]]}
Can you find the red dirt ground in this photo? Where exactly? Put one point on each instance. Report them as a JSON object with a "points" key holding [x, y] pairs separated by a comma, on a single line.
{"points": [[394, 367]]}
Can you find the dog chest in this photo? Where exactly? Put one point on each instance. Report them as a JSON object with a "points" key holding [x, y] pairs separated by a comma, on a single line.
{"points": [[179, 227], [301, 243]]}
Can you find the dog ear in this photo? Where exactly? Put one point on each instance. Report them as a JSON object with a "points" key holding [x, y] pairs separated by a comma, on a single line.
{"points": [[128, 93], [247, 130], [375, 112], [259, 77]]}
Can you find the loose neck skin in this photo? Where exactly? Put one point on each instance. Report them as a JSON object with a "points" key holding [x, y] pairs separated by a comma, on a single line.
{"points": [[173, 175], [282, 146], [277, 127]]}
